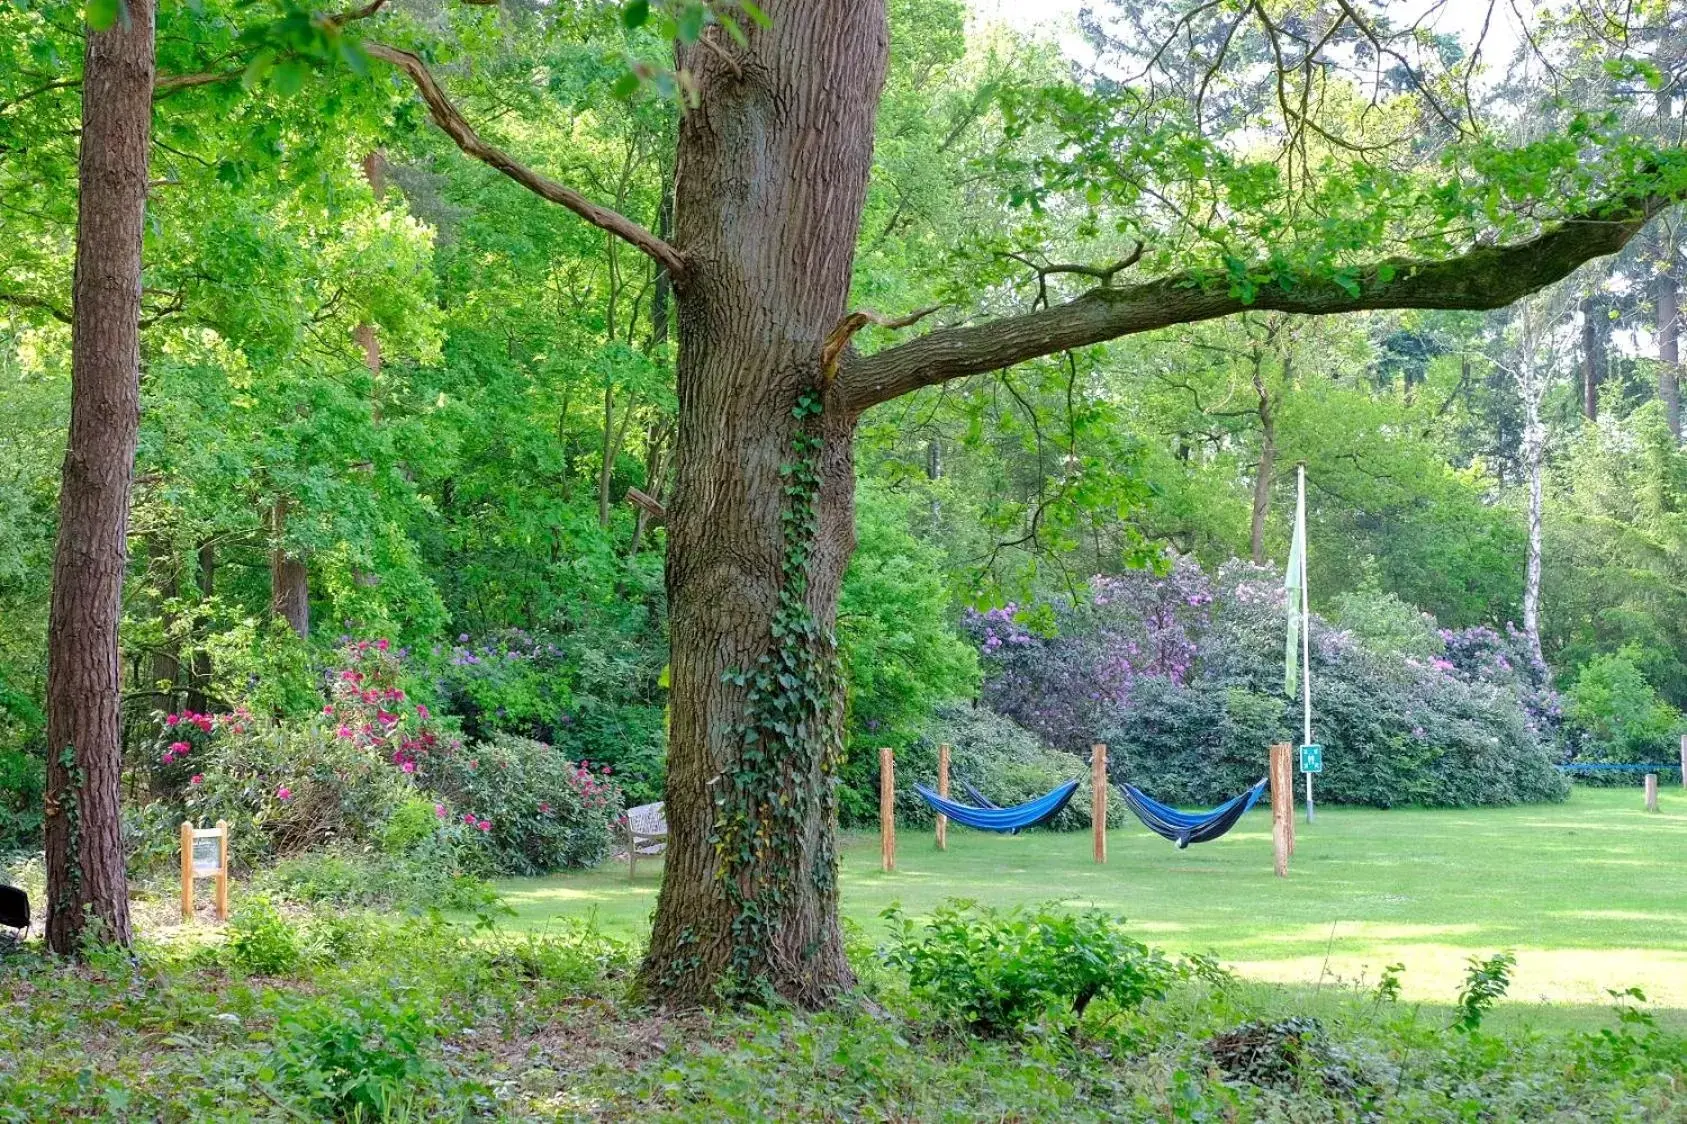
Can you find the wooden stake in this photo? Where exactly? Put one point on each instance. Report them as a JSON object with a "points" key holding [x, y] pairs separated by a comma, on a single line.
{"points": [[1651, 792], [1098, 799], [887, 809], [187, 872], [943, 790], [222, 870], [1281, 778]]}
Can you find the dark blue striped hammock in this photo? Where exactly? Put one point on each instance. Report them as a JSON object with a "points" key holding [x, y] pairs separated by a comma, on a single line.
{"points": [[1030, 814], [1184, 828]]}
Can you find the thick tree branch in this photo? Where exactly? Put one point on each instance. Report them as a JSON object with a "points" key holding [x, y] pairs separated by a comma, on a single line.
{"points": [[1481, 278], [27, 300], [446, 116]]}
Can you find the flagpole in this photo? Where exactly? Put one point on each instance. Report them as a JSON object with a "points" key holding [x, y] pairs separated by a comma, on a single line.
{"points": [[1305, 638]]}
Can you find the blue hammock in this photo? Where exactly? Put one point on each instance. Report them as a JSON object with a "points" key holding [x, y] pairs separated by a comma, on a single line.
{"points": [[1184, 828], [1020, 816]]}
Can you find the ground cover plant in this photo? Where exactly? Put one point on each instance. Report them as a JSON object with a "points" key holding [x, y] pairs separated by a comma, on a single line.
{"points": [[357, 1017]]}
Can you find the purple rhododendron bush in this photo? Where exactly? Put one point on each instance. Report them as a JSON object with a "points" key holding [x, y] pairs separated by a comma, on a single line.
{"points": [[1181, 673]]}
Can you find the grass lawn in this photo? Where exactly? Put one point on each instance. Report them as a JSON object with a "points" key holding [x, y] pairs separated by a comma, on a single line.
{"points": [[1591, 894]]}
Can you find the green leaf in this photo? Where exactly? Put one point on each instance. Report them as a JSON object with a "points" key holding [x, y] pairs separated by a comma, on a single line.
{"points": [[625, 86], [102, 14], [690, 26], [635, 13], [289, 77]]}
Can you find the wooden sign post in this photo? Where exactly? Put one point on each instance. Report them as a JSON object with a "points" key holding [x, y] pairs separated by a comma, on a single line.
{"points": [[1651, 792], [205, 855], [1098, 799], [1281, 777], [887, 809], [943, 790]]}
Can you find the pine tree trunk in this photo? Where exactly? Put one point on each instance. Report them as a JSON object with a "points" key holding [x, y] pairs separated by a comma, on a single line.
{"points": [[289, 577], [771, 179], [85, 873], [1593, 355]]}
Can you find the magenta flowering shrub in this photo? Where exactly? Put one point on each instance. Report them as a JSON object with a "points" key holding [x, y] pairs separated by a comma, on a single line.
{"points": [[537, 810]]}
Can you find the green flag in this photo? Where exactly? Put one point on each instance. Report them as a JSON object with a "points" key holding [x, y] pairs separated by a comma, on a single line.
{"points": [[1292, 582]]}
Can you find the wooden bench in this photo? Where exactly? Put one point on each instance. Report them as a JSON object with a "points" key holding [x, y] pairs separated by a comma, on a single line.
{"points": [[647, 834]]}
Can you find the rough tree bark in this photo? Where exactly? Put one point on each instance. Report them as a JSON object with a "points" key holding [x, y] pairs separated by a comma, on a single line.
{"points": [[1267, 459], [289, 576], [770, 185], [86, 881], [1594, 331]]}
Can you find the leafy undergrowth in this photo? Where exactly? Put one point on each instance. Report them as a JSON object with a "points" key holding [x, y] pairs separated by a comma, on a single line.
{"points": [[362, 1017]]}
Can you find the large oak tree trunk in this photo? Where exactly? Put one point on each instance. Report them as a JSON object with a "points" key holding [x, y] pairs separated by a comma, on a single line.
{"points": [[772, 176], [85, 874]]}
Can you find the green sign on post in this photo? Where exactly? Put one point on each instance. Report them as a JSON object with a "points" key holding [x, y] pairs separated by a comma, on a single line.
{"points": [[1312, 759]]}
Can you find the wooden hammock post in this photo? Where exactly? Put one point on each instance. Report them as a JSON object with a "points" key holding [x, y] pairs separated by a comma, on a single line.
{"points": [[1098, 798], [943, 790], [1281, 777], [887, 809], [1651, 792]]}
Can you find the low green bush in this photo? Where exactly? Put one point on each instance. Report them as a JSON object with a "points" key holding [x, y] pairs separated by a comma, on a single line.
{"points": [[542, 811], [439, 873], [360, 1057], [263, 942], [1001, 759], [998, 972]]}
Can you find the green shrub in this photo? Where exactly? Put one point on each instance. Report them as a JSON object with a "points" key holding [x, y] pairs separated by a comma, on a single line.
{"points": [[412, 822], [1000, 758], [901, 654], [437, 874], [998, 972], [1387, 625], [356, 1057], [1615, 713], [1486, 980], [261, 941], [541, 811]]}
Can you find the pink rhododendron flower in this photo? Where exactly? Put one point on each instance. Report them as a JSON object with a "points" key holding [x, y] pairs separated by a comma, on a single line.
{"points": [[439, 810], [545, 807], [409, 766], [382, 644], [284, 793], [169, 756], [197, 778], [468, 817], [484, 825], [180, 747], [329, 709], [172, 720], [344, 731], [422, 712]]}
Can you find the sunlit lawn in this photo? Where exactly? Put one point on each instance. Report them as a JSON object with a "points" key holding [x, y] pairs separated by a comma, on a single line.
{"points": [[1590, 895]]}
